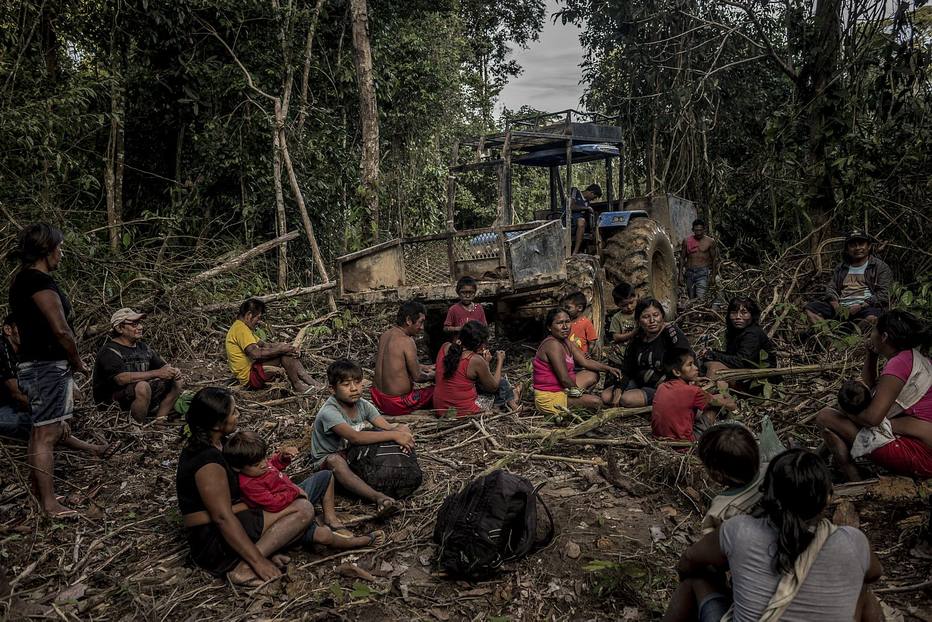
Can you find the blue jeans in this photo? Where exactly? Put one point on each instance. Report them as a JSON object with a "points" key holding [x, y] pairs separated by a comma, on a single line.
{"points": [[316, 487], [503, 395], [14, 423], [697, 282]]}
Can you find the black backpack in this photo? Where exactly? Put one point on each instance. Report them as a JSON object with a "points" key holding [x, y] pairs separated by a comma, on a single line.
{"points": [[387, 468], [491, 521]]}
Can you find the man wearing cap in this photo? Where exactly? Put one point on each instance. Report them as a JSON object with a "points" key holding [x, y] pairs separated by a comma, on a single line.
{"points": [[130, 373], [859, 288]]}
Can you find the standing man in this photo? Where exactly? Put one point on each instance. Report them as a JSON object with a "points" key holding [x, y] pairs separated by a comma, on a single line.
{"points": [[859, 288], [131, 374], [248, 356], [581, 212], [701, 254], [397, 367]]}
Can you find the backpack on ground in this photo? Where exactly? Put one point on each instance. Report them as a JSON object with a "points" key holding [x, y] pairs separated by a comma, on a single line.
{"points": [[491, 521], [387, 467]]}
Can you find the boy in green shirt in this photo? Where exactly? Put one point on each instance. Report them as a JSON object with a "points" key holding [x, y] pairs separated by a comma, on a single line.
{"points": [[621, 330]]}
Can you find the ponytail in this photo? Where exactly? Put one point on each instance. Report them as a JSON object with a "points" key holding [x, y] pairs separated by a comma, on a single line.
{"points": [[796, 490], [472, 336]]}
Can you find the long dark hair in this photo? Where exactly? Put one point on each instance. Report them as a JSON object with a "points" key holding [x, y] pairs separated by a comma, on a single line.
{"points": [[210, 406], [644, 305], [735, 304], [35, 242], [904, 330], [472, 335], [796, 489]]}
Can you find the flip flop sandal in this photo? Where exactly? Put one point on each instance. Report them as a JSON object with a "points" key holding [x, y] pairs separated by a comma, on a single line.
{"points": [[63, 515], [341, 531]]}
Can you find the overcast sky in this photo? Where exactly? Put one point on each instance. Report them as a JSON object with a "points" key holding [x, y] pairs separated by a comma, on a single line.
{"points": [[550, 81]]}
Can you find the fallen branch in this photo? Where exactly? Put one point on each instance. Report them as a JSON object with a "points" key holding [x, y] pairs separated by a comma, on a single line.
{"points": [[730, 375], [593, 423], [903, 588], [518, 454], [236, 261], [291, 293]]}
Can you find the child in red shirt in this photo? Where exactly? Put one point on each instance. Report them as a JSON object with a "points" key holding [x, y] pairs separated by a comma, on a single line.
{"points": [[263, 485], [681, 410], [466, 309], [582, 332]]}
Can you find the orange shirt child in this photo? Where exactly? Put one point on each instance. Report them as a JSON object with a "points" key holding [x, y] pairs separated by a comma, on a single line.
{"points": [[582, 333]]}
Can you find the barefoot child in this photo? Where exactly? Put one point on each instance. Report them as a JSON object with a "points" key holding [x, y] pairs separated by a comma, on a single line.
{"points": [[621, 330], [263, 485], [467, 309], [341, 422], [681, 409]]}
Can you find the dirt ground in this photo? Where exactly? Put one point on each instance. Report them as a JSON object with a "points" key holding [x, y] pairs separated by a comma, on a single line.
{"points": [[623, 512]]}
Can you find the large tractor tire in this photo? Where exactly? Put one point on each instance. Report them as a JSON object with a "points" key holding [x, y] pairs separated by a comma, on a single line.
{"points": [[642, 255], [584, 274]]}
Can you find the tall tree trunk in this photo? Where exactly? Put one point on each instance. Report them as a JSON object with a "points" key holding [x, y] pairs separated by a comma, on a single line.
{"points": [[113, 164], [368, 113], [281, 224]]}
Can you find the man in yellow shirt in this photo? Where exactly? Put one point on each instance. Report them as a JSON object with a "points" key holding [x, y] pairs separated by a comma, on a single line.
{"points": [[248, 356]]}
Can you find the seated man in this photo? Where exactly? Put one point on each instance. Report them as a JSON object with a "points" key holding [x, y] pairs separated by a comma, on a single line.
{"points": [[581, 212], [859, 288], [251, 359], [132, 374], [397, 367]]}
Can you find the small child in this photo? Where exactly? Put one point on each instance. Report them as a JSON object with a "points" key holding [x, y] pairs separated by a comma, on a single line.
{"points": [[678, 402], [582, 332], [621, 330], [731, 456], [263, 485], [853, 397], [466, 309], [341, 421]]}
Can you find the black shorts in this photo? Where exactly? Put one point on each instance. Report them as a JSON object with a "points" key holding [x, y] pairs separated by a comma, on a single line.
{"points": [[827, 312], [210, 550], [125, 395]]}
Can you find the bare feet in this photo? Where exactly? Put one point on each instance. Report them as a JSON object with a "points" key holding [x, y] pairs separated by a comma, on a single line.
{"points": [[387, 507], [281, 561], [244, 576]]}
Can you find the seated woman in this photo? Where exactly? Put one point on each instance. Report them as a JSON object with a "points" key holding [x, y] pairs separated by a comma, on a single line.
{"points": [[901, 444], [556, 383], [763, 552], [466, 373], [225, 536], [643, 364], [747, 346]]}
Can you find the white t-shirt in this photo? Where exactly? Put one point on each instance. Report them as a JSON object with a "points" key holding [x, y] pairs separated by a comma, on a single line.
{"points": [[854, 290]]}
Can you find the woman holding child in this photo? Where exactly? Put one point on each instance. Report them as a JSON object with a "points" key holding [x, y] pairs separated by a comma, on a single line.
{"points": [[556, 383], [894, 427], [643, 363], [464, 372], [226, 534]]}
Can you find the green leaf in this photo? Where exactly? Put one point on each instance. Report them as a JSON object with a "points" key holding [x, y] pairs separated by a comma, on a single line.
{"points": [[360, 590], [337, 591]]}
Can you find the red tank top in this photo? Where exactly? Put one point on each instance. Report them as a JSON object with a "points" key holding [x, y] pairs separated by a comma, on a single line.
{"points": [[457, 391]]}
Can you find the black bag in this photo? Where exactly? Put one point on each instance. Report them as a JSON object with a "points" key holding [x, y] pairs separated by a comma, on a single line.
{"points": [[386, 467], [491, 521]]}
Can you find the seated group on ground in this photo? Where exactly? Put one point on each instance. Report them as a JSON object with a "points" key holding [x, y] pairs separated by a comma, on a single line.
{"points": [[240, 508]]}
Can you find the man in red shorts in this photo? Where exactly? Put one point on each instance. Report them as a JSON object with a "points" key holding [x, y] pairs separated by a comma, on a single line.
{"points": [[397, 367]]}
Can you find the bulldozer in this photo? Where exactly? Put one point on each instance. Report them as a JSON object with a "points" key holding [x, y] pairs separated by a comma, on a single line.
{"points": [[525, 268]]}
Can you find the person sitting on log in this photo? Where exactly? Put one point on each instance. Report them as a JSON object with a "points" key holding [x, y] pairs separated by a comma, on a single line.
{"points": [[747, 346], [556, 383], [341, 422], [253, 361], [894, 429], [466, 374], [859, 288], [397, 367], [131, 374]]}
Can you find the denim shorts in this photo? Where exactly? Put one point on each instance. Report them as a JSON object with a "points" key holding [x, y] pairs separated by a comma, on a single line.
{"points": [[49, 385], [713, 607]]}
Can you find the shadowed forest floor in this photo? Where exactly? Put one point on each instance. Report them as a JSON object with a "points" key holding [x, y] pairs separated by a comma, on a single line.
{"points": [[625, 507]]}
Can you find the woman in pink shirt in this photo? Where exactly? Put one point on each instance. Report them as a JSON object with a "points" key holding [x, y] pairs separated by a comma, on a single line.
{"points": [[905, 387]]}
